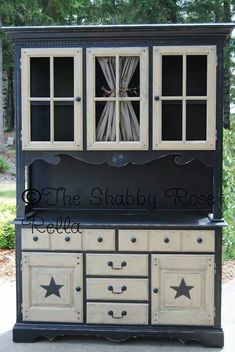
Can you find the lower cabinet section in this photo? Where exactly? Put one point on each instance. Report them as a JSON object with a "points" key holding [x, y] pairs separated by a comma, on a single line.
{"points": [[52, 287], [117, 313], [183, 289]]}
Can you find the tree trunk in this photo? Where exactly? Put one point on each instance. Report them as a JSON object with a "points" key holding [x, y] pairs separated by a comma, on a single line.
{"points": [[1, 102]]}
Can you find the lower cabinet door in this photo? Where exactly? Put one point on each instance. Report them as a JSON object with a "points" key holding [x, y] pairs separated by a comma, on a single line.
{"points": [[117, 313], [52, 287], [183, 289]]}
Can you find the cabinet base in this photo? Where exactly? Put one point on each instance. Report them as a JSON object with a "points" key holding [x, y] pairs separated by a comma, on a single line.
{"points": [[209, 337]]}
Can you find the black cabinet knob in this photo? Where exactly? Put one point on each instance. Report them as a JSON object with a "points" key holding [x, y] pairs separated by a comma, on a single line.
{"points": [[166, 240], [110, 263], [156, 98], [78, 99], [35, 238], [155, 290], [100, 239], [110, 288], [123, 263], [67, 238], [124, 288], [199, 240], [133, 240], [78, 289]]}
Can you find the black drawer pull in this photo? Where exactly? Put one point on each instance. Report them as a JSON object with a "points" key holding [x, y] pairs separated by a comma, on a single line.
{"points": [[133, 240], [100, 239], [67, 238], [155, 290], [78, 289], [35, 238], [199, 240], [78, 99], [120, 268], [156, 98], [123, 313], [166, 240], [123, 288]]}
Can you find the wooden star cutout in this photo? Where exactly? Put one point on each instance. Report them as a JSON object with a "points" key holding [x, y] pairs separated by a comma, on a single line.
{"points": [[182, 289], [52, 288]]}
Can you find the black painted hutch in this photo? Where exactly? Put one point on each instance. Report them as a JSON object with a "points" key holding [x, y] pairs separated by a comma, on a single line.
{"points": [[119, 168]]}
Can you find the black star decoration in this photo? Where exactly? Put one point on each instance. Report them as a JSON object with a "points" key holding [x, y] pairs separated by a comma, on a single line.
{"points": [[182, 289], [52, 288]]}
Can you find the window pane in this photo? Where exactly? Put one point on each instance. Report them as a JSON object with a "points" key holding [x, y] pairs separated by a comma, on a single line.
{"points": [[196, 120], [172, 75], [63, 121], [40, 77], [40, 121], [64, 77], [130, 121], [196, 75], [129, 80], [105, 121], [172, 120], [105, 76]]}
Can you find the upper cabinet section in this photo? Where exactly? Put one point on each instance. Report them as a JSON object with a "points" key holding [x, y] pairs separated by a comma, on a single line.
{"points": [[51, 99], [117, 98], [184, 91]]}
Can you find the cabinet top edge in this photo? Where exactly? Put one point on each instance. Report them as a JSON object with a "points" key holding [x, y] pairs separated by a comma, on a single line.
{"points": [[175, 30]]}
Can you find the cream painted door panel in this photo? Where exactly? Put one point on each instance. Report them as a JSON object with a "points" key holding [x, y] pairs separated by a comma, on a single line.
{"points": [[164, 240], [198, 241], [117, 313], [98, 239], [34, 239], [66, 241], [133, 240], [183, 289], [52, 287], [117, 264], [117, 289]]}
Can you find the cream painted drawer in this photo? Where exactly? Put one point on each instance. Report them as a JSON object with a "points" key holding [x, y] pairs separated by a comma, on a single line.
{"points": [[117, 289], [117, 264], [66, 241], [165, 240], [98, 239], [198, 241], [117, 313], [35, 240], [133, 240]]}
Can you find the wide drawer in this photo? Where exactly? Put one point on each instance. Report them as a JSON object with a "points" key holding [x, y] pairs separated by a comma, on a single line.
{"points": [[117, 313], [117, 289], [117, 264]]}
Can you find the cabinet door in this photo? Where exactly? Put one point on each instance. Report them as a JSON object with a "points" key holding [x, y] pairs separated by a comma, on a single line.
{"points": [[51, 98], [52, 287], [183, 289]]}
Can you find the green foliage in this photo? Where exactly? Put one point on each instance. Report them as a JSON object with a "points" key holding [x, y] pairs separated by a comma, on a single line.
{"points": [[229, 192], [7, 233], [4, 165]]}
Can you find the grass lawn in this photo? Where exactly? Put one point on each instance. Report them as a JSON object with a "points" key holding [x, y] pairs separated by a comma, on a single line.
{"points": [[8, 193]]}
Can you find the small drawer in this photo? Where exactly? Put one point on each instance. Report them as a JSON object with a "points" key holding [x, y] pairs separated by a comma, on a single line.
{"points": [[198, 241], [66, 241], [117, 264], [133, 240], [98, 239], [117, 313], [117, 289], [34, 239], [164, 240]]}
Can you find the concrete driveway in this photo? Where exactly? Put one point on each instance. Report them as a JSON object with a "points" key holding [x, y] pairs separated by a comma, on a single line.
{"points": [[72, 344]]}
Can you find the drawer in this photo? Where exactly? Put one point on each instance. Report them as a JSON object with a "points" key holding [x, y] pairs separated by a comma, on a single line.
{"points": [[66, 241], [35, 240], [98, 239], [165, 240], [133, 240], [117, 313], [117, 264], [117, 289], [198, 241]]}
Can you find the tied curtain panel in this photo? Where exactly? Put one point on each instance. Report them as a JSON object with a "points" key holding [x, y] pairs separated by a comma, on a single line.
{"points": [[129, 125]]}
